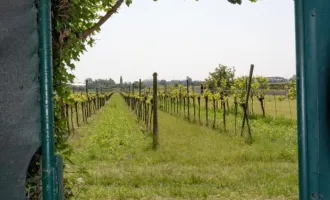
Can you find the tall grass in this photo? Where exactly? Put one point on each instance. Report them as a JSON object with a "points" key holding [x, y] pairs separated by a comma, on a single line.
{"points": [[114, 159]]}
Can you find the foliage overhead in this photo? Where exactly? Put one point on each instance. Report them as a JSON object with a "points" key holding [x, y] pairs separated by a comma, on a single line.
{"points": [[239, 1]]}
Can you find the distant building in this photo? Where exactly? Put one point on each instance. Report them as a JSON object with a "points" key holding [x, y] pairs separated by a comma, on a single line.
{"points": [[277, 79], [78, 84]]}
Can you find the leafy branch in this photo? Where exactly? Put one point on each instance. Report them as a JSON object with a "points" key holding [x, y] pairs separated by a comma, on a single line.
{"points": [[103, 19]]}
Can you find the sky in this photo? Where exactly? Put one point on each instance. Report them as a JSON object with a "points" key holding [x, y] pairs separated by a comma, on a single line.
{"points": [[180, 38]]}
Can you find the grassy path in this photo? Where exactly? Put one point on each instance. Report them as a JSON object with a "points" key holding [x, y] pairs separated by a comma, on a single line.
{"points": [[113, 160]]}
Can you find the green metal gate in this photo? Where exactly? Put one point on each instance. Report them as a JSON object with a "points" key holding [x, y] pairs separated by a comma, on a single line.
{"points": [[313, 82]]}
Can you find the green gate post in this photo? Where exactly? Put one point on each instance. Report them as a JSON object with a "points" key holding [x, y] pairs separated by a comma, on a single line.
{"points": [[59, 178], [313, 86], [46, 92]]}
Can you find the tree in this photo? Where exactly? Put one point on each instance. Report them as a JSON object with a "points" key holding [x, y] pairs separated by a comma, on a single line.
{"points": [[293, 78], [101, 83], [189, 80], [121, 81], [223, 78], [162, 82], [136, 85], [89, 80], [148, 82]]}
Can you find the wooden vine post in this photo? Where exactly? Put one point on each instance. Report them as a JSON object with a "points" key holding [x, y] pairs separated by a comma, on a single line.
{"points": [[275, 103], [177, 105], [86, 87], [167, 101], [71, 115], [214, 111], [97, 98], [206, 97], [194, 101], [224, 115], [194, 105], [101, 99], [223, 107], [76, 110], [180, 100], [188, 103], [140, 87], [132, 99], [245, 108], [155, 113], [147, 114], [164, 101], [145, 109], [199, 104], [140, 102], [184, 106], [151, 115], [236, 105], [85, 113], [246, 88], [171, 104], [67, 117]]}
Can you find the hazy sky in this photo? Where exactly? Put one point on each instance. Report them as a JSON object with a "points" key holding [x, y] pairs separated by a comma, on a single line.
{"points": [[179, 38]]}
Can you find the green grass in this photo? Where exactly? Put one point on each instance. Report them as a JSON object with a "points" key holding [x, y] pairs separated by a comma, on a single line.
{"points": [[275, 107], [113, 156]]}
